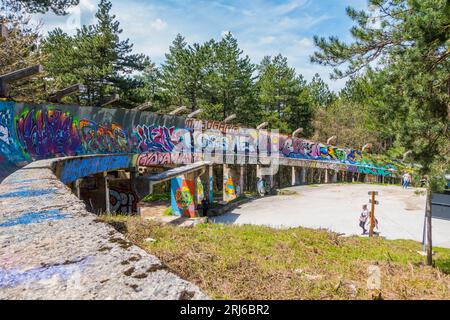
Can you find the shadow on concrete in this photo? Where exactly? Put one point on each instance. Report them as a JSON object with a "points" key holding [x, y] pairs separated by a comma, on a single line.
{"points": [[228, 218]]}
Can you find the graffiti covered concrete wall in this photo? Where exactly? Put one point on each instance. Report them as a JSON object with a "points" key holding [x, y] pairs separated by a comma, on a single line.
{"points": [[182, 197], [30, 132]]}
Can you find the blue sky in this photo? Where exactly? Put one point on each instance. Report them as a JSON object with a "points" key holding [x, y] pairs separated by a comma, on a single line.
{"points": [[262, 27]]}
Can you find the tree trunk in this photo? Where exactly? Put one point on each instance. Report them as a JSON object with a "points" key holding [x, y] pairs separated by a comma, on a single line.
{"points": [[429, 234]]}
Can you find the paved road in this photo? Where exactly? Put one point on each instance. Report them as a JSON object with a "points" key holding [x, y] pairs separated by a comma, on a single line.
{"points": [[337, 207]]}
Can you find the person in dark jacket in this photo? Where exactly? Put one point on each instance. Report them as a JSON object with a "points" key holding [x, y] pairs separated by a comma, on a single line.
{"points": [[205, 207]]}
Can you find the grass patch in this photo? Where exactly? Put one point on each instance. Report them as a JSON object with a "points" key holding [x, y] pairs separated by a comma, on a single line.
{"points": [[168, 211], [257, 262], [286, 192], [157, 197]]}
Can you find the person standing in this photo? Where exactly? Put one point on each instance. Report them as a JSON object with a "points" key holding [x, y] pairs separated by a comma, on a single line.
{"points": [[205, 207], [363, 218], [409, 179]]}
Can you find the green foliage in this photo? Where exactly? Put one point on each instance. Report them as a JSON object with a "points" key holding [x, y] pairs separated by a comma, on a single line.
{"points": [[96, 58], [58, 7], [407, 97], [283, 96], [157, 197], [21, 50], [320, 93], [258, 262]]}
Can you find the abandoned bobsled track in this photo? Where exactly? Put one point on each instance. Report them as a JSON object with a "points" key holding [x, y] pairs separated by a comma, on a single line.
{"points": [[52, 247]]}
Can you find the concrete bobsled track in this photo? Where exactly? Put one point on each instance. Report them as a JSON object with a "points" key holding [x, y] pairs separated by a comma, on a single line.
{"points": [[52, 247]]}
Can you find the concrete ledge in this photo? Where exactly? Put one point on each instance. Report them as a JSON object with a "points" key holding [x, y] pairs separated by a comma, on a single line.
{"points": [[52, 248]]}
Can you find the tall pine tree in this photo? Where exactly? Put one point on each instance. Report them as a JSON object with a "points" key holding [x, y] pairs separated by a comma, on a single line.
{"points": [[96, 58]]}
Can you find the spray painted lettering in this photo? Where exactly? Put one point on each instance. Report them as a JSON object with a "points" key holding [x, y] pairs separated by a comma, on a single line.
{"points": [[48, 133], [123, 201]]}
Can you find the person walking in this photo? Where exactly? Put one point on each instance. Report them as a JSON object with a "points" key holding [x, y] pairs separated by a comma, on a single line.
{"points": [[405, 180], [363, 218]]}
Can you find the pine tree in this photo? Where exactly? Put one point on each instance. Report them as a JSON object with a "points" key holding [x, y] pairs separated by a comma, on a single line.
{"points": [[283, 95], [320, 92], [21, 50], [58, 7], [172, 72], [231, 82], [96, 58], [409, 40]]}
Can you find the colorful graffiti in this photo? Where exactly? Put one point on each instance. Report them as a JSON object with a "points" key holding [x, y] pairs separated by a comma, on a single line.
{"points": [[39, 131], [200, 190], [155, 138], [48, 133], [261, 187], [10, 151], [229, 190], [182, 197], [102, 139], [192, 123], [157, 158], [303, 149], [211, 188], [82, 167], [123, 201]]}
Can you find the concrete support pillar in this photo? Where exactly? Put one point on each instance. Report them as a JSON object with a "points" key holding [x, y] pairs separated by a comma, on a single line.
{"points": [[303, 175], [326, 175], [259, 182], [193, 177], [241, 177], [107, 201], [293, 176], [210, 185], [335, 177], [258, 175], [134, 173], [271, 181], [77, 188], [226, 174]]}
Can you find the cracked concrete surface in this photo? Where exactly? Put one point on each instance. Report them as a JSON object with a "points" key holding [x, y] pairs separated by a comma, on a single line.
{"points": [[52, 248]]}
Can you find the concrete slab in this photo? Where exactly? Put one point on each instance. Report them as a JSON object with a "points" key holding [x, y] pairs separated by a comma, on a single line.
{"points": [[337, 207]]}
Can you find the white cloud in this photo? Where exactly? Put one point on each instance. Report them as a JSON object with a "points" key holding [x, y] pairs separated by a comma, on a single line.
{"points": [[76, 16], [290, 6], [303, 22], [266, 40], [158, 24], [262, 27]]}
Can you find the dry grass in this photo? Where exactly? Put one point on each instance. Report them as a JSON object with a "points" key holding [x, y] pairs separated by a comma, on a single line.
{"points": [[255, 262]]}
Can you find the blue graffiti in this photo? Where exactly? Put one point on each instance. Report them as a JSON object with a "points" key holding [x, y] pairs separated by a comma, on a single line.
{"points": [[34, 217], [27, 193], [14, 277], [78, 168], [10, 151]]}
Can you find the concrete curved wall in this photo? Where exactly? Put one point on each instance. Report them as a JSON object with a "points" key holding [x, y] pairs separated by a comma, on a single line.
{"points": [[30, 132], [52, 248]]}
